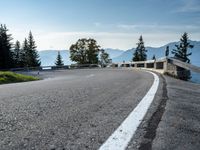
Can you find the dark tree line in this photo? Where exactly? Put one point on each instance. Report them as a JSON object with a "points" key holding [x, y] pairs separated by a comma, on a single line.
{"points": [[17, 55]]}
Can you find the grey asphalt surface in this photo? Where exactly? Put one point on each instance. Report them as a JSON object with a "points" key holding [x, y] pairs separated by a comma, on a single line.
{"points": [[73, 109], [179, 128]]}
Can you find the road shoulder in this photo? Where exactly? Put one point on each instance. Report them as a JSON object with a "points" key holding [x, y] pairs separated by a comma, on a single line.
{"points": [[180, 125], [146, 132]]}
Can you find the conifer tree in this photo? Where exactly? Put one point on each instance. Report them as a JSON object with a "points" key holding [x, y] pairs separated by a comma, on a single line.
{"points": [[6, 55], [154, 57], [136, 56], [181, 53], [25, 55], [16, 54], [167, 51], [33, 56], [140, 52], [59, 61]]}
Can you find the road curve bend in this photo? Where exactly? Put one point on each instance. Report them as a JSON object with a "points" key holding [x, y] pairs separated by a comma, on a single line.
{"points": [[73, 109]]}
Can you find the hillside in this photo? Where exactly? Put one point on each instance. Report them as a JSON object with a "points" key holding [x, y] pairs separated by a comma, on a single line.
{"points": [[114, 52]]}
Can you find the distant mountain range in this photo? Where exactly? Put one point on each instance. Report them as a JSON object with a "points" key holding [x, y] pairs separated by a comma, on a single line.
{"points": [[48, 57]]}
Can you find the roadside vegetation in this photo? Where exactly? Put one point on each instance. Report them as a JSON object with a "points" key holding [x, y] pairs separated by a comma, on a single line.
{"points": [[11, 77]]}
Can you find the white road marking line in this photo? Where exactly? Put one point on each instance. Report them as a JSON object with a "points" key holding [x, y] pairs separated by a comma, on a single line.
{"points": [[121, 137], [89, 76]]}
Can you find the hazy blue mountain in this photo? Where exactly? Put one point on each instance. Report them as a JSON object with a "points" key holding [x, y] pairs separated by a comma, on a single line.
{"points": [[48, 57], [114, 52]]}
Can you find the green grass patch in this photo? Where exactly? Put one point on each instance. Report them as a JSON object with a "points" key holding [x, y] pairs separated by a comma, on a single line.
{"points": [[11, 77]]}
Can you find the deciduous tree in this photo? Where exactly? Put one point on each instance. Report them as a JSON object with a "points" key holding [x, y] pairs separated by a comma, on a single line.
{"points": [[104, 58], [85, 51]]}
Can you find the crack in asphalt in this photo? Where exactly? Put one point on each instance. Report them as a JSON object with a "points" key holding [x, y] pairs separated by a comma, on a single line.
{"points": [[155, 120]]}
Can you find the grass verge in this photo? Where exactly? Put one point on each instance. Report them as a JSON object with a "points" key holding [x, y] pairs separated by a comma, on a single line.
{"points": [[11, 77]]}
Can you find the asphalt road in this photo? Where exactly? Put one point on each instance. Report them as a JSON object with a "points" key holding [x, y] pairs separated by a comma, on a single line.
{"points": [[179, 128], [73, 109]]}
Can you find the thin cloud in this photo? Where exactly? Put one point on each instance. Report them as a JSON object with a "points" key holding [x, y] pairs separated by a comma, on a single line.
{"points": [[189, 6], [159, 28]]}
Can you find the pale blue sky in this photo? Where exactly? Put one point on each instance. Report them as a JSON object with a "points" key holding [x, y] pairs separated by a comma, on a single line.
{"points": [[56, 24]]}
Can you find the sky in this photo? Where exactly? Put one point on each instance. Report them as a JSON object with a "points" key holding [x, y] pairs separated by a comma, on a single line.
{"points": [[56, 24]]}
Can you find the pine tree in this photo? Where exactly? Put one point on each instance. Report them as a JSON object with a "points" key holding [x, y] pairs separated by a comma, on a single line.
{"points": [[140, 52], [181, 53], [16, 54], [59, 61], [22, 54], [154, 57], [167, 51], [33, 55], [6, 55], [136, 56], [25, 55]]}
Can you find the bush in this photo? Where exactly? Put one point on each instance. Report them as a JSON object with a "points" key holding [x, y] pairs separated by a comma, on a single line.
{"points": [[11, 77]]}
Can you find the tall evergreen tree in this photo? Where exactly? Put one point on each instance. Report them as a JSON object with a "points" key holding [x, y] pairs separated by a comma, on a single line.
{"points": [[167, 51], [25, 55], [6, 55], [32, 53], [59, 61], [154, 57], [22, 54], [181, 53], [16, 54], [140, 52], [136, 56]]}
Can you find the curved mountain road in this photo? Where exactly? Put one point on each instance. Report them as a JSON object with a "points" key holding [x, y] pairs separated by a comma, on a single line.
{"points": [[73, 109]]}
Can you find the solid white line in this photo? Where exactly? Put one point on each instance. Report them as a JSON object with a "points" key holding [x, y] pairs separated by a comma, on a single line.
{"points": [[121, 137]]}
